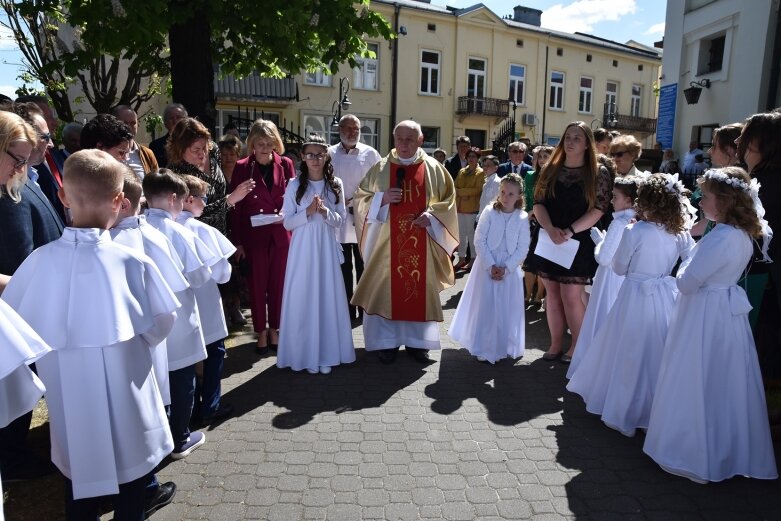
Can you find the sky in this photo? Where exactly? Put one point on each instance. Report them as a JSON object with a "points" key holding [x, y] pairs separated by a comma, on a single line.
{"points": [[618, 20]]}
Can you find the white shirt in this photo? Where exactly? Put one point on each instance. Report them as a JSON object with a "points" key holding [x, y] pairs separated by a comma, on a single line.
{"points": [[688, 159], [351, 166], [134, 161]]}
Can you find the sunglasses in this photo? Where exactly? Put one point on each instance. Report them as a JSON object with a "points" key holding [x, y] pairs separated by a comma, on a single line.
{"points": [[618, 154], [18, 161], [314, 157]]}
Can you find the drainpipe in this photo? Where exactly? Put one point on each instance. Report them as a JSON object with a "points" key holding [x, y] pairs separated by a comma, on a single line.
{"points": [[544, 96], [772, 91], [394, 73]]}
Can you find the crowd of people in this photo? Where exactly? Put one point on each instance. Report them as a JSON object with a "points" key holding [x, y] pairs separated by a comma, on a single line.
{"points": [[157, 247]]}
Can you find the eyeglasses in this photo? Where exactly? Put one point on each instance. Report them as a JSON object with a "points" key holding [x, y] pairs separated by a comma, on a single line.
{"points": [[18, 162], [619, 154], [314, 157], [45, 136]]}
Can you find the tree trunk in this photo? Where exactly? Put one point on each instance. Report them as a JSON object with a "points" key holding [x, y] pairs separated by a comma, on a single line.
{"points": [[192, 73]]}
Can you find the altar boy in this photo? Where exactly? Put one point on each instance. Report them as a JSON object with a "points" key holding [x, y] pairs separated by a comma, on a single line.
{"points": [[99, 306]]}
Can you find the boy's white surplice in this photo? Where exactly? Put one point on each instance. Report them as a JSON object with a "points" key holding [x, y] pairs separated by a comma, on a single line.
{"points": [[605, 288], [617, 376], [208, 296], [489, 320], [186, 345], [315, 328], [709, 419], [134, 232], [99, 305], [20, 389]]}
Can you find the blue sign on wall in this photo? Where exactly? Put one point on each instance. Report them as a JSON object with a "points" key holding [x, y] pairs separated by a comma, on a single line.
{"points": [[665, 124]]}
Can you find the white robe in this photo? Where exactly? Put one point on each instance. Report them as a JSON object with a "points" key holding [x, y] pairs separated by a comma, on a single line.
{"points": [[20, 388], [490, 192], [709, 418], [186, 345], [489, 320], [99, 305], [617, 376], [315, 326], [134, 232], [208, 296], [605, 288]]}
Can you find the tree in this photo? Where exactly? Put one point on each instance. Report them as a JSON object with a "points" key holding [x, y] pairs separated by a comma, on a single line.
{"points": [[272, 37]]}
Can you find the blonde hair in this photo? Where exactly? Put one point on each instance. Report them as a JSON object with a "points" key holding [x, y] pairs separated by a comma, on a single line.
{"points": [[512, 179], [92, 176], [628, 143], [131, 187], [265, 128], [12, 129], [195, 186]]}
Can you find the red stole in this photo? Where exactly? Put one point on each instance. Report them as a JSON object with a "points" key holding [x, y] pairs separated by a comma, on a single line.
{"points": [[408, 244], [53, 168]]}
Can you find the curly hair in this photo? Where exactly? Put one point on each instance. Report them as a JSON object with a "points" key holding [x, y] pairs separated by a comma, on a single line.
{"points": [[328, 170], [629, 143], [608, 163], [512, 179], [735, 205], [627, 186], [546, 184], [104, 130], [656, 204]]}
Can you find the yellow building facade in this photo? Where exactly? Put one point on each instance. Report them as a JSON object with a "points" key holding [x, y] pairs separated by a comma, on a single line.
{"points": [[463, 72]]}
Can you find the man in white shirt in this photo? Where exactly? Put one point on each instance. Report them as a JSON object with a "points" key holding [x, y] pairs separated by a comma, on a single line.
{"points": [[140, 159], [690, 158], [351, 160]]}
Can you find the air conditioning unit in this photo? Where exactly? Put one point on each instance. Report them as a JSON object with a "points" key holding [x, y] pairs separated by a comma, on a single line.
{"points": [[529, 120]]}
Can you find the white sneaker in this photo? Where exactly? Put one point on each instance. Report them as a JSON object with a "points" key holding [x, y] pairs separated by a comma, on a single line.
{"points": [[481, 359], [324, 369], [312, 371]]}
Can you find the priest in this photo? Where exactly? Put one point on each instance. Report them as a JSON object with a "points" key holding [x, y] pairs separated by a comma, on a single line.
{"points": [[406, 224]]}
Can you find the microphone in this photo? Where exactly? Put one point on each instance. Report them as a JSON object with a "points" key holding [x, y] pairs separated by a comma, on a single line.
{"points": [[400, 174]]}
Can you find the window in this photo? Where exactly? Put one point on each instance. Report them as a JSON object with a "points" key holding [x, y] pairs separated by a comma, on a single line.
{"points": [[640, 67], [432, 27], [429, 72], [611, 96], [519, 43], [370, 132], [321, 125], [588, 57], [637, 98], [365, 73], [615, 63], [475, 86], [430, 138], [586, 93], [318, 78], [556, 99], [711, 57], [559, 51], [517, 83]]}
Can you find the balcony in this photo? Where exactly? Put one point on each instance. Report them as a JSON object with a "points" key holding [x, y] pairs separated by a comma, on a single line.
{"points": [[631, 123], [256, 88], [473, 106]]}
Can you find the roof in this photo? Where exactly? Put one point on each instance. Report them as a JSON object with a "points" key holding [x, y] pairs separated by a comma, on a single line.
{"points": [[582, 38]]}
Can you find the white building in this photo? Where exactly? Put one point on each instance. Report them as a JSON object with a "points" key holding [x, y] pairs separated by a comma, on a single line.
{"points": [[728, 47]]}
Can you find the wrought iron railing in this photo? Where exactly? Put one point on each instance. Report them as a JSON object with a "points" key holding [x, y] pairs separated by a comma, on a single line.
{"points": [[504, 136], [244, 123], [493, 107], [631, 123]]}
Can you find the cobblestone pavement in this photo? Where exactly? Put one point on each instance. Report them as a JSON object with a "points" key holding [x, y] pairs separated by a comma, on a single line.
{"points": [[455, 440]]}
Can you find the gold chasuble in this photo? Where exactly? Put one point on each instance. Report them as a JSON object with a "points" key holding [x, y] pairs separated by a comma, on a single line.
{"points": [[405, 267]]}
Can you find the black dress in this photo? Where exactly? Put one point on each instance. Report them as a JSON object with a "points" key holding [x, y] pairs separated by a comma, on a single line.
{"points": [[564, 208]]}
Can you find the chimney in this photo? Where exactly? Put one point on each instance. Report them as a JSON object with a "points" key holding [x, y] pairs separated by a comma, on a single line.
{"points": [[527, 15]]}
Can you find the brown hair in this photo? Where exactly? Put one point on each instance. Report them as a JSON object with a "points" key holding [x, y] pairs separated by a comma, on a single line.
{"points": [[164, 183], [762, 130], [546, 184], [656, 204], [328, 170], [132, 188], [183, 135], [629, 189], [265, 128], [734, 203], [513, 179], [724, 138], [195, 186]]}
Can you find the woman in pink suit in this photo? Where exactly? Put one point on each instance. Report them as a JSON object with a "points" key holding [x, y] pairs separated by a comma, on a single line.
{"points": [[265, 247]]}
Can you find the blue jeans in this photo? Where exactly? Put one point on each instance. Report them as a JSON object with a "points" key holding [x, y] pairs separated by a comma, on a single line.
{"points": [[129, 504], [208, 390], [182, 383]]}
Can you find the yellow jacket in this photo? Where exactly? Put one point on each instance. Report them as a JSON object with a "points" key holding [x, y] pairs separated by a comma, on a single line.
{"points": [[469, 186]]}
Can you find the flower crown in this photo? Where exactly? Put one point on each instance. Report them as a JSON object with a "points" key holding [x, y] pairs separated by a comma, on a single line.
{"points": [[734, 182], [626, 180]]}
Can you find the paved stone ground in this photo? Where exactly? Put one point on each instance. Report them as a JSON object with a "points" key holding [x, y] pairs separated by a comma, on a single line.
{"points": [[455, 440]]}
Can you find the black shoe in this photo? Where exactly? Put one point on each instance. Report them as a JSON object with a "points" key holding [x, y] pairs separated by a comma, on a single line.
{"points": [[34, 468], [164, 495], [388, 356], [421, 355], [225, 410], [261, 350]]}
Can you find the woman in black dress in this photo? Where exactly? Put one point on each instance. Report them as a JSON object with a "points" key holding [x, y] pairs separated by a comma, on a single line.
{"points": [[571, 195]]}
